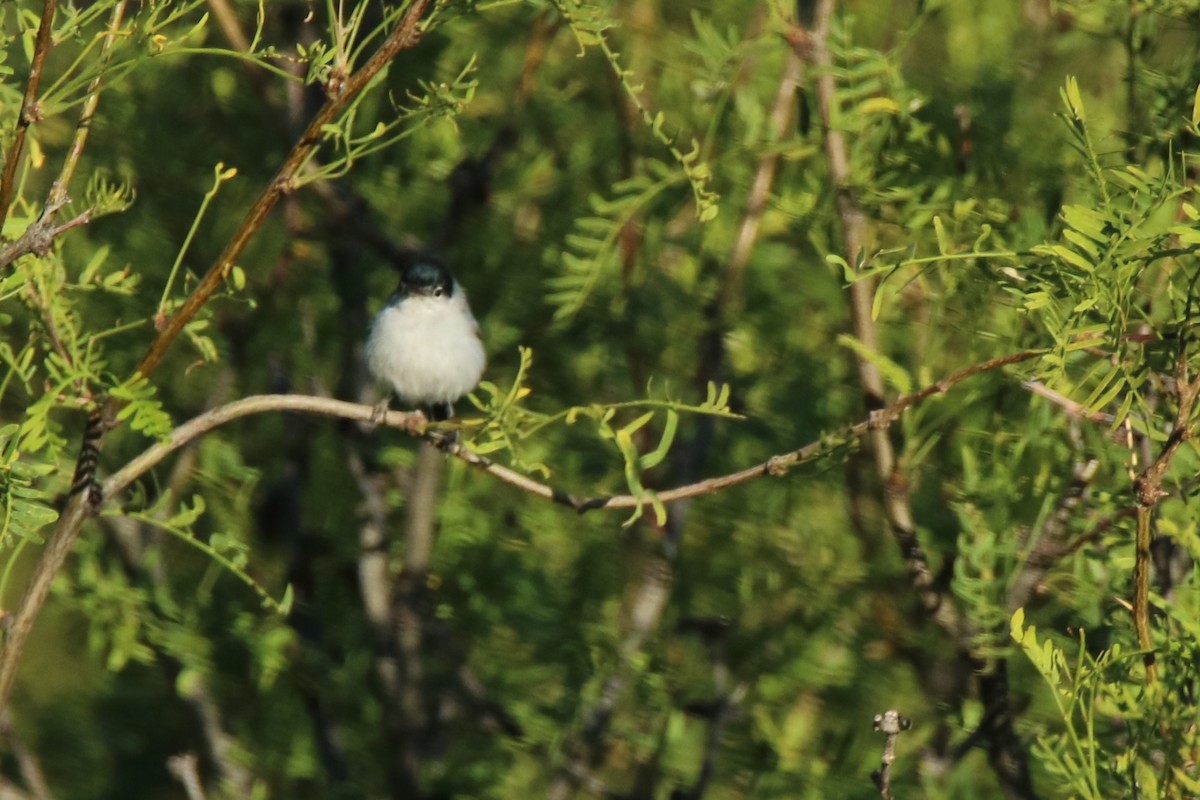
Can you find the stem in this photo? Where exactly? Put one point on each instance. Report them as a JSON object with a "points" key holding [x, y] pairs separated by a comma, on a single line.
{"points": [[29, 111]]}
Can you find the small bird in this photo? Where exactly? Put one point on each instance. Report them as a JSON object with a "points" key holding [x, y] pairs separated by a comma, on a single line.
{"points": [[425, 343]]}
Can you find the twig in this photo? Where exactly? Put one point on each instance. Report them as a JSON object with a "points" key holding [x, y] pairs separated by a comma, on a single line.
{"points": [[815, 45], [58, 191], [27, 762], [1067, 404], [80, 507], [404, 36], [185, 767], [256, 404], [30, 112], [1148, 492], [760, 189], [39, 236], [892, 725]]}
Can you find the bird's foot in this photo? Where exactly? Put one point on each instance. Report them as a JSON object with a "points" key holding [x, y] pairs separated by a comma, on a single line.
{"points": [[378, 413]]}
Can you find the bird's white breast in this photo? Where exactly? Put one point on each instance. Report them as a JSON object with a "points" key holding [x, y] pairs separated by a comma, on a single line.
{"points": [[427, 348]]}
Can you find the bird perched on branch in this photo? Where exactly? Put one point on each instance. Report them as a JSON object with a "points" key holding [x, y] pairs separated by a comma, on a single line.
{"points": [[425, 343]]}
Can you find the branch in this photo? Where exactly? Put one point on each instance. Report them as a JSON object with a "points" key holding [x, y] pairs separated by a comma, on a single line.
{"points": [[415, 424], [58, 191], [1148, 491], [892, 725], [80, 506], [256, 404], [1051, 544], [406, 35], [1006, 756], [30, 112], [815, 45], [185, 768]]}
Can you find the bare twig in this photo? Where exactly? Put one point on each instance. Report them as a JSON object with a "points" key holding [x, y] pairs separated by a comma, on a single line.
{"points": [[404, 36], [30, 112], [760, 189], [1067, 404], [27, 762], [892, 725], [58, 191], [185, 767], [815, 45]]}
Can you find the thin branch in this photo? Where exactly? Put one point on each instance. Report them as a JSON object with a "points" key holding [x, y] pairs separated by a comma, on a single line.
{"points": [[815, 45], [760, 189], [27, 762], [30, 112], [415, 424], [892, 725], [38, 237], [1005, 752], [185, 768], [1067, 404], [1148, 491], [339, 96], [256, 404], [1051, 544], [80, 506], [58, 191]]}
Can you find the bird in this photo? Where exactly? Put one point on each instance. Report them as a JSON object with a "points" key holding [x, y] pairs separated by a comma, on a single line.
{"points": [[425, 343]]}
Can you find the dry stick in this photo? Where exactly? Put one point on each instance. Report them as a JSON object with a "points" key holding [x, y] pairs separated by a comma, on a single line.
{"points": [[892, 725], [29, 113], [405, 36], [760, 189], [1051, 544], [79, 506], [185, 767]]}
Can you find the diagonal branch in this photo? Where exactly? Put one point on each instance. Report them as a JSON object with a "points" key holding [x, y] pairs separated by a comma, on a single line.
{"points": [[814, 44], [80, 506], [339, 97], [30, 113]]}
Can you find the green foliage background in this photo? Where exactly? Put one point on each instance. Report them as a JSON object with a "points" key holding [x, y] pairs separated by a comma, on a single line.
{"points": [[1025, 170]]}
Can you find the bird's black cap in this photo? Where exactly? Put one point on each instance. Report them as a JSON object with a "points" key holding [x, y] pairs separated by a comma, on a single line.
{"points": [[425, 276]]}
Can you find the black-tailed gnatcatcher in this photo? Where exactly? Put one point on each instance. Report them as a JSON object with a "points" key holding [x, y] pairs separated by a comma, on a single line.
{"points": [[425, 343]]}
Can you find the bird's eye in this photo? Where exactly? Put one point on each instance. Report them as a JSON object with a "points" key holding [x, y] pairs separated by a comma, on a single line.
{"points": [[438, 291]]}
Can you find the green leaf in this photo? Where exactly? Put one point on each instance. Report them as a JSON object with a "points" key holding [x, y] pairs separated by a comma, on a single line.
{"points": [[944, 243]]}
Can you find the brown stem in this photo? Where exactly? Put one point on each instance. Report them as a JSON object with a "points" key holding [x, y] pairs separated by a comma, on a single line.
{"points": [[29, 113], [1149, 492], [58, 191], [406, 35]]}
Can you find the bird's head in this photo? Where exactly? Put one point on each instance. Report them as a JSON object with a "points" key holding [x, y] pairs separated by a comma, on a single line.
{"points": [[426, 278]]}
